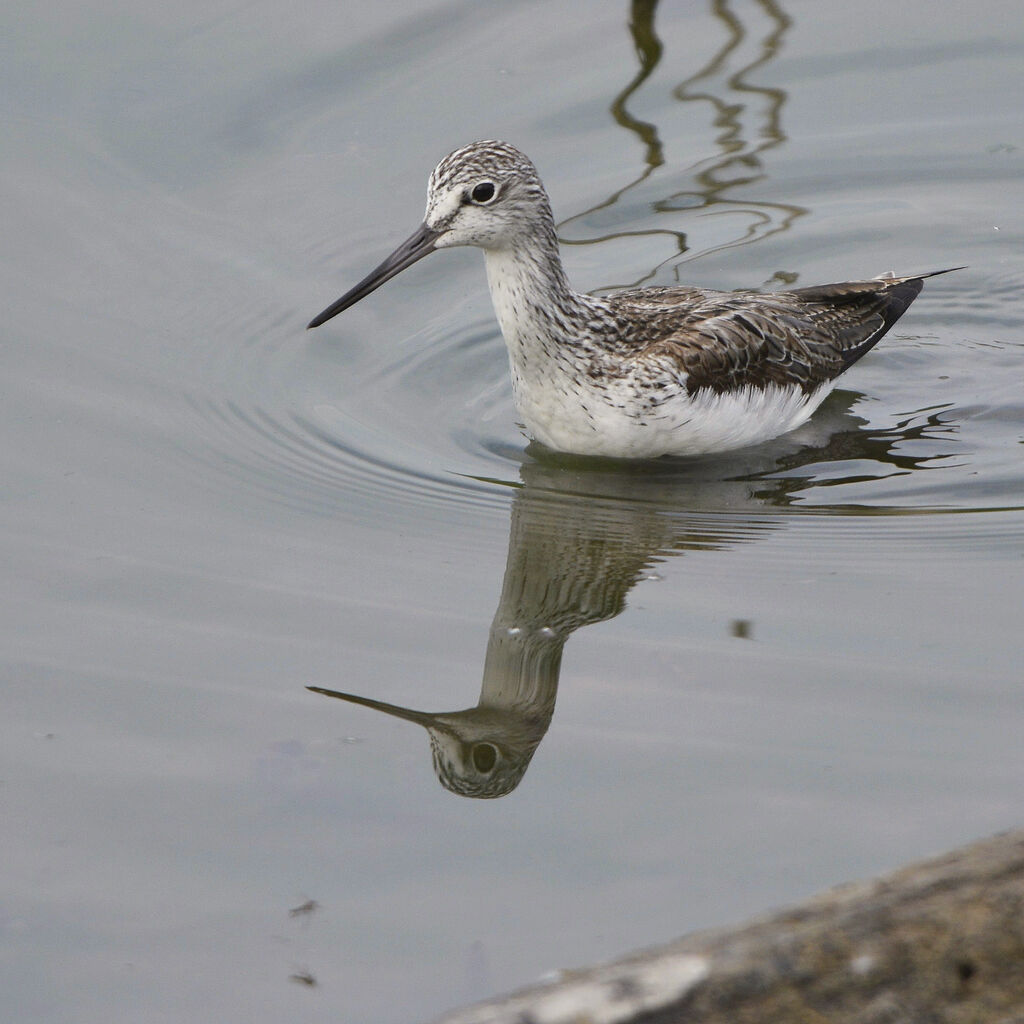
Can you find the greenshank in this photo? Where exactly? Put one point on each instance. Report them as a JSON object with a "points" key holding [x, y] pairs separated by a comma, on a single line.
{"points": [[648, 371]]}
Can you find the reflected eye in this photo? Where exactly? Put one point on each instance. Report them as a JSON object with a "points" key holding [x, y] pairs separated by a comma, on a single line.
{"points": [[485, 757], [483, 192]]}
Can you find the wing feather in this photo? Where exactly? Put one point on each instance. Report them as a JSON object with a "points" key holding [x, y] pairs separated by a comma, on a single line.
{"points": [[725, 341]]}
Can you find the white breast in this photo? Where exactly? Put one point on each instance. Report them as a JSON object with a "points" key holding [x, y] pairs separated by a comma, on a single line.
{"points": [[616, 424]]}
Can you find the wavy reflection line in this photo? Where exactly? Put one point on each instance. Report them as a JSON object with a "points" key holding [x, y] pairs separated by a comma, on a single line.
{"points": [[740, 157], [738, 163], [649, 49]]}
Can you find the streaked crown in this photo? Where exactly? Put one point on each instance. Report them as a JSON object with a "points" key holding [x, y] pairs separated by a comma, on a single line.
{"points": [[487, 194]]}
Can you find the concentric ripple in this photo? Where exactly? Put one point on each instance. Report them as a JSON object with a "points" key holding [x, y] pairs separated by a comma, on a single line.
{"points": [[361, 429]]}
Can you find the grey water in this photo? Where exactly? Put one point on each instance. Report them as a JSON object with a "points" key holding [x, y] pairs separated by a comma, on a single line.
{"points": [[693, 690]]}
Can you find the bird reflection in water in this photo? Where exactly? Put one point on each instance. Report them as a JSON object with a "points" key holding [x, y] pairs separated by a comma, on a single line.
{"points": [[583, 532], [572, 558]]}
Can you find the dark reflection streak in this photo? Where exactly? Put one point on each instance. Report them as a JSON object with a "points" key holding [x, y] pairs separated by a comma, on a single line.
{"points": [[736, 166], [649, 49], [647, 233], [878, 447], [739, 158], [720, 9]]}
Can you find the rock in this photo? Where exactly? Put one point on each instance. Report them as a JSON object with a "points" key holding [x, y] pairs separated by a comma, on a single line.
{"points": [[938, 942]]}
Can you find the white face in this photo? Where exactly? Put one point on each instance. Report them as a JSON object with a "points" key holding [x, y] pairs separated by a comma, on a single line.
{"points": [[486, 194], [487, 212]]}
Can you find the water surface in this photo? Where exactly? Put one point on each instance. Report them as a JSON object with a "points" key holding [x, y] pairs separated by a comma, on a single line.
{"points": [[705, 688]]}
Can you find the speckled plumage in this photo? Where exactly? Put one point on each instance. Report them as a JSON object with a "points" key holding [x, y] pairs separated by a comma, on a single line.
{"points": [[644, 372]]}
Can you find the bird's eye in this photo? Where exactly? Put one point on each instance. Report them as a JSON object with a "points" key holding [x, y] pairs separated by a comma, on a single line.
{"points": [[483, 192]]}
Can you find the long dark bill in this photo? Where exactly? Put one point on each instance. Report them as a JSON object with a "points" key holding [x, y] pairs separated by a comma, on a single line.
{"points": [[423, 718], [412, 249]]}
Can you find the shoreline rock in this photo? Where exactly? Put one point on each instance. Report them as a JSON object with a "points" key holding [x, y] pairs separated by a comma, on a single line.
{"points": [[940, 941]]}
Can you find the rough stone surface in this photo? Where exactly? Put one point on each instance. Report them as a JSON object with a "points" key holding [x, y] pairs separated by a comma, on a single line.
{"points": [[939, 942]]}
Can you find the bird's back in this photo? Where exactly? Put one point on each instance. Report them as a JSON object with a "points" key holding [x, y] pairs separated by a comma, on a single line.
{"points": [[726, 341]]}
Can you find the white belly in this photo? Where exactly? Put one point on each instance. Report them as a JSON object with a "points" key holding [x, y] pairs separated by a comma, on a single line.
{"points": [[619, 423]]}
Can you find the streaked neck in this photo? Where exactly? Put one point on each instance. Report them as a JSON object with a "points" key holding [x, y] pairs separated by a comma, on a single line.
{"points": [[530, 291]]}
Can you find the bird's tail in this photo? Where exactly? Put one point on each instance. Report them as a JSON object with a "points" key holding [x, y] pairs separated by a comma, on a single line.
{"points": [[891, 276]]}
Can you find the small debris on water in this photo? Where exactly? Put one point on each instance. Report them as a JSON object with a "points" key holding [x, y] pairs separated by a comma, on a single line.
{"points": [[743, 629]]}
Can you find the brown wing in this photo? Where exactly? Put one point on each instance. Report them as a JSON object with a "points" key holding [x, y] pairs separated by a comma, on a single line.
{"points": [[806, 337]]}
